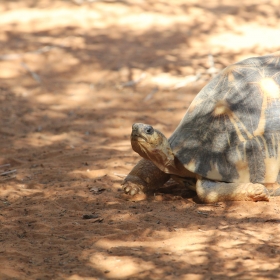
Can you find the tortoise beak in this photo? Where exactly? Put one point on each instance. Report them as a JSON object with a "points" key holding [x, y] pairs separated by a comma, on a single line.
{"points": [[135, 132]]}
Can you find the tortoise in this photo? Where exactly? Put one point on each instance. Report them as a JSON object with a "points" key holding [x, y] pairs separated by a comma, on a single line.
{"points": [[226, 147]]}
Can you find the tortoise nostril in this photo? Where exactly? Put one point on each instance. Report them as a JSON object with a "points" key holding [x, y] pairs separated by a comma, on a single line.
{"points": [[149, 129], [134, 126]]}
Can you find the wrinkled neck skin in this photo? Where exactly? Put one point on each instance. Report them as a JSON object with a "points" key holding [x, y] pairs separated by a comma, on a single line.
{"points": [[156, 148], [157, 151]]}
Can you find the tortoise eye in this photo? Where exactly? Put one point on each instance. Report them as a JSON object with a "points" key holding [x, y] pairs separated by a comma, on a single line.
{"points": [[149, 129]]}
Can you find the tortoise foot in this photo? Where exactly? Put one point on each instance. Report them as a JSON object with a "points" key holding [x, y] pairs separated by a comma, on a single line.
{"points": [[133, 185], [211, 191], [257, 192]]}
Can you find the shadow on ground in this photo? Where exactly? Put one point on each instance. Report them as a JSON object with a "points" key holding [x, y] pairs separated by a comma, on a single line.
{"points": [[69, 95]]}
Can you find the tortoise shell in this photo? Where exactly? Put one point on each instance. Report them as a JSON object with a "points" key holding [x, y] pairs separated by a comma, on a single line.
{"points": [[231, 131]]}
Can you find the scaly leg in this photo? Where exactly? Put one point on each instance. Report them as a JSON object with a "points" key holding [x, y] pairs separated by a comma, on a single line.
{"points": [[144, 177], [210, 191]]}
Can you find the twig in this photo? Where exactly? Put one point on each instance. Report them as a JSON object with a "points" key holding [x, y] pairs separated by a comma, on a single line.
{"points": [[44, 49], [35, 76], [134, 82], [187, 80], [120, 175], [212, 69], [151, 94], [5, 165], [14, 56], [8, 172], [4, 178]]}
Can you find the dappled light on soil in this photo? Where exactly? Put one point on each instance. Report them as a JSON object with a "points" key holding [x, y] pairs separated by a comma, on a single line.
{"points": [[75, 75]]}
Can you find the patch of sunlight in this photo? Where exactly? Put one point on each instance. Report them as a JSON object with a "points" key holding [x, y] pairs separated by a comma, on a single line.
{"points": [[166, 80], [47, 98], [124, 145], [247, 36], [78, 93], [120, 266], [148, 20], [43, 139], [39, 19], [78, 277], [177, 242], [13, 192], [115, 132], [91, 173], [9, 70], [53, 18]]}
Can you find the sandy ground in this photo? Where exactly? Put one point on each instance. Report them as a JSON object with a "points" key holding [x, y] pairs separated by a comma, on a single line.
{"points": [[74, 77]]}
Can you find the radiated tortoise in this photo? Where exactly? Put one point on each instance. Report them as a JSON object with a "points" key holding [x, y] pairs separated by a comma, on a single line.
{"points": [[227, 142]]}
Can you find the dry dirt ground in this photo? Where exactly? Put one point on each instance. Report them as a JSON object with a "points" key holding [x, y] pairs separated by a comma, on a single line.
{"points": [[74, 77]]}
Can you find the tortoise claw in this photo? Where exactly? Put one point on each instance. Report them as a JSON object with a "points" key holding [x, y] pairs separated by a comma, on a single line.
{"points": [[126, 189], [132, 188], [133, 192]]}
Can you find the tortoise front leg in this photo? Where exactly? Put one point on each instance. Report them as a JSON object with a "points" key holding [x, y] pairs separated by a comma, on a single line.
{"points": [[210, 191], [144, 177]]}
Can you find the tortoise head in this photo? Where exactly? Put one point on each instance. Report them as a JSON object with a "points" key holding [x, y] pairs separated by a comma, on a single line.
{"points": [[151, 144]]}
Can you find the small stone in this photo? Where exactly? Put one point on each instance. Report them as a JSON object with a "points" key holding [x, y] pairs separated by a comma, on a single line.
{"points": [[96, 190], [87, 217]]}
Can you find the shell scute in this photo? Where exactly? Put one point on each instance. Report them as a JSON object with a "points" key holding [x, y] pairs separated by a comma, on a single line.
{"points": [[233, 125]]}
